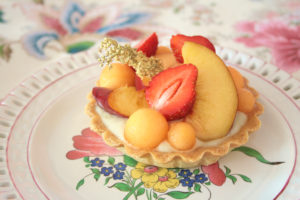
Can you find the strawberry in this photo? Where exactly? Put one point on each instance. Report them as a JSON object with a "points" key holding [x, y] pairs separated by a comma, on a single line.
{"points": [[172, 91], [149, 45], [178, 40]]}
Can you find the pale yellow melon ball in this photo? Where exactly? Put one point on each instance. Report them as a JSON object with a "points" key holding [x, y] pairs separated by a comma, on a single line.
{"points": [[146, 128], [182, 136], [117, 76]]}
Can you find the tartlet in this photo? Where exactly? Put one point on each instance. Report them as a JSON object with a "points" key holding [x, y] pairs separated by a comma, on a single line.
{"points": [[199, 155]]}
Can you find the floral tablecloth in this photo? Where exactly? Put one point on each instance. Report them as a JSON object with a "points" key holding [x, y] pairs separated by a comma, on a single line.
{"points": [[34, 33]]}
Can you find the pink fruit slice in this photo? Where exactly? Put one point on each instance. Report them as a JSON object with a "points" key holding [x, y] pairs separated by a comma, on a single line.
{"points": [[139, 85]]}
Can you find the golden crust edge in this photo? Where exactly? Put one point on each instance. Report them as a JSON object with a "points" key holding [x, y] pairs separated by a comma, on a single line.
{"points": [[188, 159]]}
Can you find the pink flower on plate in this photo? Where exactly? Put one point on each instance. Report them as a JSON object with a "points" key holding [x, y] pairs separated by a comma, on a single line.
{"points": [[90, 143], [215, 174], [282, 39]]}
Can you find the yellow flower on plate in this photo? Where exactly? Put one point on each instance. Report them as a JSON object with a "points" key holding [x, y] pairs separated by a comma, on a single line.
{"points": [[160, 179]]}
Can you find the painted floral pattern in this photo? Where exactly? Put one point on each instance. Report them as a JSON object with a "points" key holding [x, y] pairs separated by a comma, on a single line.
{"points": [[279, 33], [76, 28], [90, 143], [151, 182]]}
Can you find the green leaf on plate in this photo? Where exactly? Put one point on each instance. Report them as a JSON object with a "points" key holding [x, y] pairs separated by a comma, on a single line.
{"points": [[122, 187], [232, 178], [96, 177], [95, 170], [245, 178], [111, 160], [140, 191], [197, 188], [86, 159], [179, 195], [107, 180], [196, 171], [227, 171], [253, 153], [207, 183], [129, 161], [154, 195], [79, 184]]}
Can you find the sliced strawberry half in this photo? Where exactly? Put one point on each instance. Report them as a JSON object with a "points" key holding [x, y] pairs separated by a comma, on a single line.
{"points": [[149, 45], [178, 40], [172, 91]]}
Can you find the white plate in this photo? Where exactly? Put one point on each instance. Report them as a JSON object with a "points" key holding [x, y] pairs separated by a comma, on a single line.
{"points": [[41, 115]]}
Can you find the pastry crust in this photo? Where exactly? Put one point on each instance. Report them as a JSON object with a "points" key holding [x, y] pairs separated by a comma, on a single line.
{"points": [[181, 159]]}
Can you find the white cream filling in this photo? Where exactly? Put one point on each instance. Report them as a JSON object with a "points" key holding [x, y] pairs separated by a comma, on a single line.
{"points": [[116, 125]]}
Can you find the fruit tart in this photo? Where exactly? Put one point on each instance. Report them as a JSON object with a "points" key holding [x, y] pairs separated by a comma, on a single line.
{"points": [[171, 107]]}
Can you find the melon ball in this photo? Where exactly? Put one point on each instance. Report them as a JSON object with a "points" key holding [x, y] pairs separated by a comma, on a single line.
{"points": [[146, 128], [116, 76], [182, 136]]}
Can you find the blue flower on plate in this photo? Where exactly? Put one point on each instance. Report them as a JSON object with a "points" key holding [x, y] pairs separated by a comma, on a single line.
{"points": [[187, 182], [97, 162], [118, 175], [106, 171], [200, 178], [185, 173], [120, 166]]}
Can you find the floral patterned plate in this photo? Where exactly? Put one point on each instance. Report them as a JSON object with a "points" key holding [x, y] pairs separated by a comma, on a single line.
{"points": [[47, 151]]}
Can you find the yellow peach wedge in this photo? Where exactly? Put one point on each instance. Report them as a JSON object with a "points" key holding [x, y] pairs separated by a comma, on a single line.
{"points": [[126, 100], [182, 136], [146, 129], [117, 76], [216, 101]]}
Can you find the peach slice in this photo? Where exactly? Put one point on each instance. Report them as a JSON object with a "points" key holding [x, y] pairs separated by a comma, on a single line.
{"points": [[101, 96], [216, 101], [126, 100]]}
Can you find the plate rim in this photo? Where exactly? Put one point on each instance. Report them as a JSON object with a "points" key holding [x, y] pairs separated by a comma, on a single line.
{"points": [[228, 57]]}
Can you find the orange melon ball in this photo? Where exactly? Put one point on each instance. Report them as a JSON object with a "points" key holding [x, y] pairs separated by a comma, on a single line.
{"points": [[238, 79], [182, 136], [246, 100], [117, 76], [163, 50], [146, 128]]}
